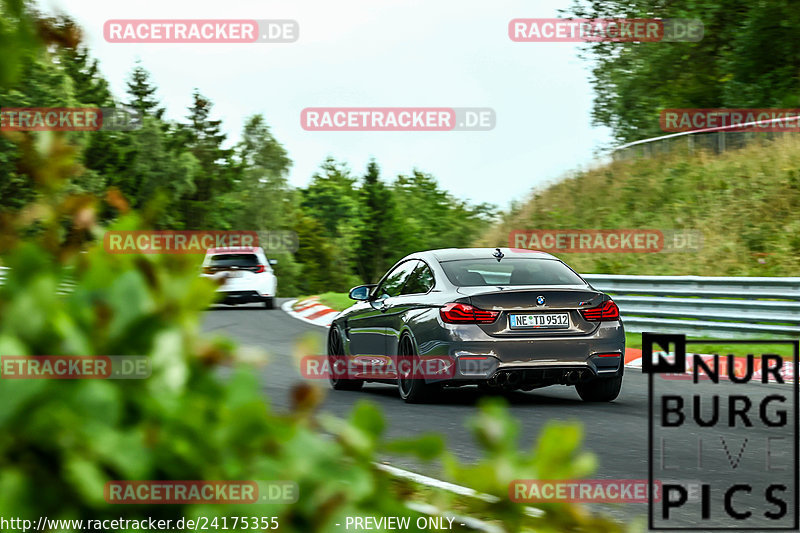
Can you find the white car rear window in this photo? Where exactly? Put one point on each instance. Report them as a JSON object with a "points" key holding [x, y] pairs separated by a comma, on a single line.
{"points": [[238, 260]]}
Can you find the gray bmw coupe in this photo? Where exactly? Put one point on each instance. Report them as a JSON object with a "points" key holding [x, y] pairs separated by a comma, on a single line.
{"points": [[499, 318]]}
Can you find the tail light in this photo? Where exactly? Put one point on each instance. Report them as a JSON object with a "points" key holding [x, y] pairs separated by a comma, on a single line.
{"points": [[259, 269], [454, 313], [208, 270], [608, 310]]}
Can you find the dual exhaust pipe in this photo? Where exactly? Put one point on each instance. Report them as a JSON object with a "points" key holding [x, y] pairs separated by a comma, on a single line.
{"points": [[511, 379], [506, 380]]}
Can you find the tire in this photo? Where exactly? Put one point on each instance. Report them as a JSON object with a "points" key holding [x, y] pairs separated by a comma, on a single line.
{"points": [[600, 390], [336, 352], [412, 390], [269, 303]]}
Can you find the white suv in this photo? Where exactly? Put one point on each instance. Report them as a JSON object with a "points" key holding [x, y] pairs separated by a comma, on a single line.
{"points": [[247, 275]]}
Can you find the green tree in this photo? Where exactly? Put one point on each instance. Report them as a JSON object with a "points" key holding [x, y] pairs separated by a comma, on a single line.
{"points": [[204, 138], [433, 218], [375, 250], [332, 197], [156, 174], [264, 193], [316, 256], [90, 87], [747, 58], [38, 82], [106, 154], [18, 41], [142, 92]]}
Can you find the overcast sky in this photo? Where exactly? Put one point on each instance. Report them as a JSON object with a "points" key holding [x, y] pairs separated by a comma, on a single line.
{"points": [[390, 53]]}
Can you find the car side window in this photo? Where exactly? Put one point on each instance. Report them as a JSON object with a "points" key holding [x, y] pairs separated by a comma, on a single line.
{"points": [[420, 282], [392, 285]]}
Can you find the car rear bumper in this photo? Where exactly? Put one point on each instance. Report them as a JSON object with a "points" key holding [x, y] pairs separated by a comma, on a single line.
{"points": [[240, 291], [232, 288], [536, 374], [477, 356], [240, 297]]}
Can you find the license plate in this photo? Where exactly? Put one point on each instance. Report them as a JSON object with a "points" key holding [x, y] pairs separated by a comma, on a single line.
{"points": [[235, 274], [540, 320]]}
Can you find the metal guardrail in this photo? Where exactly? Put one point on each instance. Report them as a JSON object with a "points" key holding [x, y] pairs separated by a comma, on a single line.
{"points": [[64, 287], [707, 306], [695, 305], [718, 139]]}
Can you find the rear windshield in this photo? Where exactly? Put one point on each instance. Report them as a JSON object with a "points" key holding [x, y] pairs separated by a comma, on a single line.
{"points": [[479, 272], [239, 260]]}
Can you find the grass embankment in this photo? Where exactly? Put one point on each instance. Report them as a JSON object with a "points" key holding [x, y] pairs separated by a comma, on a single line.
{"points": [[745, 202]]}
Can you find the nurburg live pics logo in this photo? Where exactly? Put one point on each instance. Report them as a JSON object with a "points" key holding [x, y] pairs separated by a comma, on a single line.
{"points": [[733, 425]]}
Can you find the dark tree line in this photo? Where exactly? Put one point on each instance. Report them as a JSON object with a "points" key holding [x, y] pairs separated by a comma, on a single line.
{"points": [[748, 58]]}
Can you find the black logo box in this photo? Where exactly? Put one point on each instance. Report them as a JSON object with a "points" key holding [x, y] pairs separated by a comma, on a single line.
{"points": [[663, 366]]}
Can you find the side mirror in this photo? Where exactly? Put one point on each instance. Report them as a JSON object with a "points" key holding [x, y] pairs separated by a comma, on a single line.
{"points": [[273, 261], [360, 293]]}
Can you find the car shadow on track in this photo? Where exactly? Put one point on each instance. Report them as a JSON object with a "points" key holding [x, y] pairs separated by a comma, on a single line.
{"points": [[470, 396]]}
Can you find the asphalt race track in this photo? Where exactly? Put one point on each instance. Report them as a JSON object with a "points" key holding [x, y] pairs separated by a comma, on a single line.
{"points": [[616, 432]]}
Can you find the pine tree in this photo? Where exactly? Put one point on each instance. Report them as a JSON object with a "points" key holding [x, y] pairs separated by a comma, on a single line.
{"points": [[142, 92], [379, 224], [89, 85], [217, 177]]}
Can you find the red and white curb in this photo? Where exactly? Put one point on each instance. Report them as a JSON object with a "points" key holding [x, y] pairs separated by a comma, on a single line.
{"points": [[633, 358], [311, 311]]}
